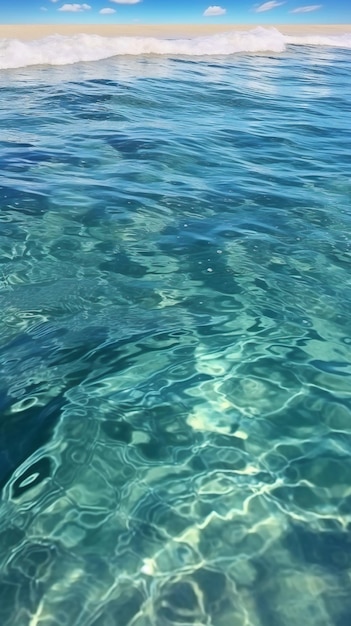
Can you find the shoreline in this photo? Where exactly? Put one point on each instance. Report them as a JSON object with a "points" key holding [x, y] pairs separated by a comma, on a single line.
{"points": [[38, 31]]}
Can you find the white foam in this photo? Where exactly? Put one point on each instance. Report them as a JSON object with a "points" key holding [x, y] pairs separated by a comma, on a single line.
{"points": [[63, 50], [334, 41]]}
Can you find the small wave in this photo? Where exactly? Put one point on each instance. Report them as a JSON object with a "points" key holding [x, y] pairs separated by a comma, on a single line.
{"points": [[335, 41], [66, 50]]}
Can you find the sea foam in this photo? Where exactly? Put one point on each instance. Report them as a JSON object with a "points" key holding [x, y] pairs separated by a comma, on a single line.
{"points": [[65, 50]]}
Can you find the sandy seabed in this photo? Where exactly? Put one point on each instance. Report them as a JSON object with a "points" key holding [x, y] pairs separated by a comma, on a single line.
{"points": [[37, 31]]}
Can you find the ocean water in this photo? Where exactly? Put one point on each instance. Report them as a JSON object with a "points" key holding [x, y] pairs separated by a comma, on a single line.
{"points": [[175, 331]]}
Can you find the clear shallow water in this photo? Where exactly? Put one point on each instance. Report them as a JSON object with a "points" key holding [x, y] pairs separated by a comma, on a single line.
{"points": [[175, 341]]}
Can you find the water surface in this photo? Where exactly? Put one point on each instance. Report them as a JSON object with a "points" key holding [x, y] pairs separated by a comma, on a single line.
{"points": [[175, 249]]}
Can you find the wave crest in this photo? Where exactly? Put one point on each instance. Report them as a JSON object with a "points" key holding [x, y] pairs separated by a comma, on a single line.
{"points": [[65, 50]]}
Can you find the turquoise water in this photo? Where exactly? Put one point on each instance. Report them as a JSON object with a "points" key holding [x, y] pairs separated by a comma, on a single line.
{"points": [[175, 248]]}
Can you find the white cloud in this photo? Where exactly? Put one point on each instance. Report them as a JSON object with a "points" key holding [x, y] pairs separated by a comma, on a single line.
{"points": [[107, 11], [213, 10], [74, 8], [43, 9], [126, 1], [268, 6], [307, 9]]}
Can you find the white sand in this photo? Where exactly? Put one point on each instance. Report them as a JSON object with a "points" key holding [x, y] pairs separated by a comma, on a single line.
{"points": [[36, 31]]}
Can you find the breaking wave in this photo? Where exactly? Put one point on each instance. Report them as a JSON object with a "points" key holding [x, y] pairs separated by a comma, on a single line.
{"points": [[65, 50]]}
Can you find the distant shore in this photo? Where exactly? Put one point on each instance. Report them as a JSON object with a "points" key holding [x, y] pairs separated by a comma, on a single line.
{"points": [[37, 31]]}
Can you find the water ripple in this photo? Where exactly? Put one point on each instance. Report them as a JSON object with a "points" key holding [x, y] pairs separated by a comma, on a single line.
{"points": [[175, 342]]}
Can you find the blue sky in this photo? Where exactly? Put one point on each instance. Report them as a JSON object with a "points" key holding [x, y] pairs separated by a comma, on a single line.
{"points": [[176, 11]]}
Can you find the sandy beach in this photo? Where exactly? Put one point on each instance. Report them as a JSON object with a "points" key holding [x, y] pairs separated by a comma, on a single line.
{"points": [[37, 31]]}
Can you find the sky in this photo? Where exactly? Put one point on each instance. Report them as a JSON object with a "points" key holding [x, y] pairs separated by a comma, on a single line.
{"points": [[175, 11]]}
